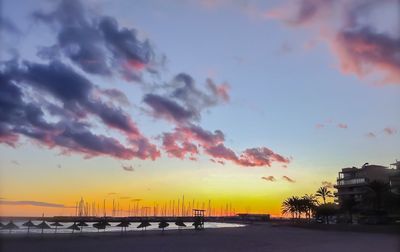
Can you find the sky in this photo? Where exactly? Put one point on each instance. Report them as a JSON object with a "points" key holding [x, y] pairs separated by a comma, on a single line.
{"points": [[240, 103]]}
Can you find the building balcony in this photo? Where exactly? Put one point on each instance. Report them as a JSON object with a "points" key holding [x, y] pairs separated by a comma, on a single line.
{"points": [[351, 182]]}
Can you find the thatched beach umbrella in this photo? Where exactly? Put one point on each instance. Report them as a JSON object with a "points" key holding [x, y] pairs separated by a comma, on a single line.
{"points": [[124, 224], [82, 224], [180, 223], [43, 225], [10, 226], [163, 224], [74, 227], [100, 225], [144, 224], [29, 224], [56, 224]]}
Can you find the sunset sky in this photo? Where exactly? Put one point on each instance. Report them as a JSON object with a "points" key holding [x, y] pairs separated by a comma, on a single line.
{"points": [[241, 102]]}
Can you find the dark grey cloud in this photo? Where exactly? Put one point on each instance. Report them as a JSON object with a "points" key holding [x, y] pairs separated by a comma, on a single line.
{"points": [[23, 115], [182, 101], [96, 43]]}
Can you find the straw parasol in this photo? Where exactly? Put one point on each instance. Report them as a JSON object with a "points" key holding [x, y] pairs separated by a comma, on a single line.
{"points": [[56, 224], [10, 226], [100, 225], [124, 224], [163, 224], [144, 224], [180, 223], [74, 227], [82, 224], [43, 225], [29, 224]]}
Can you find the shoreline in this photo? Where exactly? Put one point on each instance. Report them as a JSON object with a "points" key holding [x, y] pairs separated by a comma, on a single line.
{"points": [[254, 237]]}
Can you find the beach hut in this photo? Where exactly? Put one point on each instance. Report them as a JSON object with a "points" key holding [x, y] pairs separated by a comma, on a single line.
{"points": [[100, 225], [163, 224], [10, 226], [82, 224], [180, 223], [74, 227], [56, 224], [144, 225], [43, 225], [29, 224], [124, 224]]}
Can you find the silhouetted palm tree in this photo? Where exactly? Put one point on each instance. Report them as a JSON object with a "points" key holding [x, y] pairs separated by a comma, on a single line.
{"points": [[309, 203], [324, 193]]}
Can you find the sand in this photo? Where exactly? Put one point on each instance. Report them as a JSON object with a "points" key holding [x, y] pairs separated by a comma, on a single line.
{"points": [[250, 238]]}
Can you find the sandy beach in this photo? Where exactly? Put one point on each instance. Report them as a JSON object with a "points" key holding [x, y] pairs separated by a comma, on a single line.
{"points": [[261, 237]]}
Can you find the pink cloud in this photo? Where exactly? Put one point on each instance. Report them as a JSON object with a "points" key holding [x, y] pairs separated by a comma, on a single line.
{"points": [[319, 125], [390, 131], [359, 47], [342, 125]]}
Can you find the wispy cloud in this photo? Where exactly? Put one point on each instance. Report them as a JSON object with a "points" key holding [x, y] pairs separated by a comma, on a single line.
{"points": [[15, 162], [327, 184], [362, 49], [389, 131], [128, 168], [288, 179], [269, 178], [370, 135], [342, 125], [32, 203]]}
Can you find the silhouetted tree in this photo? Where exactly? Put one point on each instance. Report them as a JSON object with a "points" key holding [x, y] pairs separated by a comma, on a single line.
{"points": [[324, 193], [326, 210]]}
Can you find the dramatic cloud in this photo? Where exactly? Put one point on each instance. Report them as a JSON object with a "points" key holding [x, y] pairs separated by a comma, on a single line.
{"points": [[327, 184], [269, 178], [182, 101], [56, 104], [31, 203], [22, 113], [362, 49], [288, 179], [95, 43], [389, 131], [128, 168], [180, 143]]}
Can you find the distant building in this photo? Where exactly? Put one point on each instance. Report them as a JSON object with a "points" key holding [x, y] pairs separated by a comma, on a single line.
{"points": [[353, 182], [394, 179]]}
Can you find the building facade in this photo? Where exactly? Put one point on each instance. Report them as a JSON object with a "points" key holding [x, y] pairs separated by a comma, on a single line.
{"points": [[352, 183]]}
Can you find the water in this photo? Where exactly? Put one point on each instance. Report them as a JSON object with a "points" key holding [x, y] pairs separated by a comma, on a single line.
{"points": [[112, 228]]}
